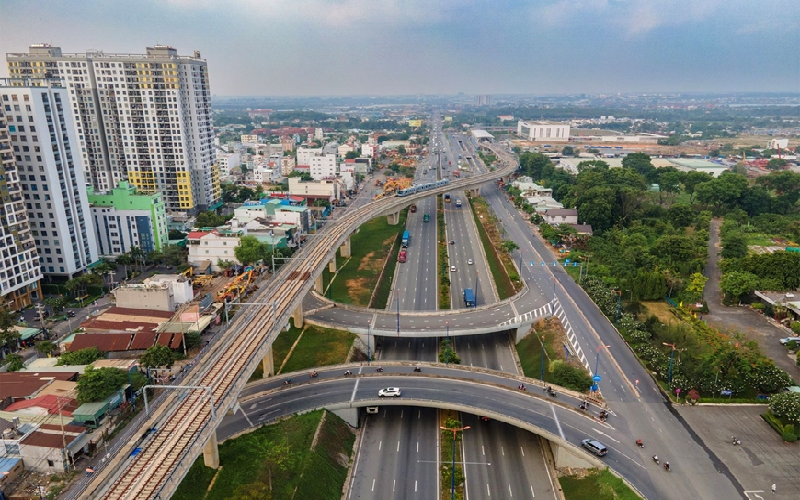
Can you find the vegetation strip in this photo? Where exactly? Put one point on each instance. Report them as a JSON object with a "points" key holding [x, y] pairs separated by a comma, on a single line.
{"points": [[383, 290], [596, 485], [449, 420], [443, 262], [504, 273], [369, 249]]}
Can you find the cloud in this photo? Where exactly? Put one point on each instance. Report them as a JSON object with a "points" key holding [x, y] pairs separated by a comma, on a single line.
{"points": [[632, 16]]}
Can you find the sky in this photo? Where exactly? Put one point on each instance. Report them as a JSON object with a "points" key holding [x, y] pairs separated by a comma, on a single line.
{"points": [[402, 47]]}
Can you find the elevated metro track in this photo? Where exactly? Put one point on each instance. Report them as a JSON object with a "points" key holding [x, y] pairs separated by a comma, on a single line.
{"points": [[188, 419]]}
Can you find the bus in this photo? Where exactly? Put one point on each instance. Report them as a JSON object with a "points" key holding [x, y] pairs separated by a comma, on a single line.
{"points": [[406, 239], [447, 198]]}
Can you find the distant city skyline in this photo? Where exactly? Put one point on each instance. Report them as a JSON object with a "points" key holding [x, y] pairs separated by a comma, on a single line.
{"points": [[390, 47]]}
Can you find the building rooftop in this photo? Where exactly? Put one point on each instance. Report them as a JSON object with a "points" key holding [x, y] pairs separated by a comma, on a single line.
{"points": [[24, 384]]}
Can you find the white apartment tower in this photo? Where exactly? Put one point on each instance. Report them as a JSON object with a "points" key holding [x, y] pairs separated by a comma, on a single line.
{"points": [[50, 174], [19, 261], [141, 117]]}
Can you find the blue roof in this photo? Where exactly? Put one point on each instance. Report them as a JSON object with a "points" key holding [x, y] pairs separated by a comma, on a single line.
{"points": [[8, 464]]}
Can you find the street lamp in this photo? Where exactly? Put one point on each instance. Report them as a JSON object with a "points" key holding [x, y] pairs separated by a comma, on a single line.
{"points": [[541, 376], [671, 356], [455, 430], [369, 330], [447, 359]]}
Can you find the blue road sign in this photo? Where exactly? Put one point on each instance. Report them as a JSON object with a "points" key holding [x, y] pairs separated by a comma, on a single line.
{"points": [[726, 393], [593, 388], [596, 378], [566, 261]]}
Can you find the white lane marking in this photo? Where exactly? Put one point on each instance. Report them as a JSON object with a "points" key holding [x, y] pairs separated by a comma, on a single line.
{"points": [[398, 447], [355, 388], [510, 494], [521, 450], [533, 495], [558, 424], [604, 434], [417, 446], [373, 485], [488, 493]]}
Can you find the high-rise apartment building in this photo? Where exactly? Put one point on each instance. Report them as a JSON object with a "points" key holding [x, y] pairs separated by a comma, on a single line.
{"points": [[19, 261], [50, 174], [141, 117]]}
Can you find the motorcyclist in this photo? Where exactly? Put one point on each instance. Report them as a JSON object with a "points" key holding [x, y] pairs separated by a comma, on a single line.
{"points": [[639, 443], [379, 369], [655, 458], [666, 465]]}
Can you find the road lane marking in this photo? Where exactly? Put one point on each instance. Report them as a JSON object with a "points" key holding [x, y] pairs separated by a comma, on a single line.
{"points": [[355, 388], [558, 424], [510, 494], [488, 492], [373, 485], [398, 447]]}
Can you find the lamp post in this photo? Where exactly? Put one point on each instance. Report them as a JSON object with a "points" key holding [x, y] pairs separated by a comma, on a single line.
{"points": [[541, 376], [455, 431], [597, 357], [671, 356], [369, 330], [447, 359]]}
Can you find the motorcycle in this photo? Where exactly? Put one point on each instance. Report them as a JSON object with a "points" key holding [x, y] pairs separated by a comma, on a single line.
{"points": [[287, 381], [348, 373], [655, 459], [314, 375], [379, 369], [736, 442], [417, 369], [666, 466]]}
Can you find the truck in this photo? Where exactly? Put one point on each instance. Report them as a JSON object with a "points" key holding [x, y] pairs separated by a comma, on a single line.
{"points": [[402, 257], [458, 202], [469, 298], [413, 208], [406, 239]]}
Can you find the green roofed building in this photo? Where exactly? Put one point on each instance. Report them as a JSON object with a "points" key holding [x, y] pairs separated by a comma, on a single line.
{"points": [[124, 218]]}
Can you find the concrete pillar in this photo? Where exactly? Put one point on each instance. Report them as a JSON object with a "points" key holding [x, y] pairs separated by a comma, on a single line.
{"points": [[211, 452], [344, 250], [522, 331], [332, 265], [393, 219], [268, 363], [349, 415], [297, 316], [318, 287]]}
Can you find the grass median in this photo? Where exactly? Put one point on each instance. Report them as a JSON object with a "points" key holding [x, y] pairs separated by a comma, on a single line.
{"points": [[596, 485], [443, 262], [500, 264], [277, 461], [369, 249], [319, 347]]}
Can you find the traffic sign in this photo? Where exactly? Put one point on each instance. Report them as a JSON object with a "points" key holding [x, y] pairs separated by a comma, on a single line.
{"points": [[596, 378], [593, 388]]}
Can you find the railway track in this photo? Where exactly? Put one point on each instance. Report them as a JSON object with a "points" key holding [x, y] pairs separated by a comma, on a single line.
{"points": [[153, 466]]}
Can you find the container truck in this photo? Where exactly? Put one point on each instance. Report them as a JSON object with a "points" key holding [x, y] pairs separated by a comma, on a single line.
{"points": [[469, 297]]}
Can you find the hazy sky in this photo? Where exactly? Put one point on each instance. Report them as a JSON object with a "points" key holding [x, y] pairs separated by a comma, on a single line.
{"points": [[341, 47]]}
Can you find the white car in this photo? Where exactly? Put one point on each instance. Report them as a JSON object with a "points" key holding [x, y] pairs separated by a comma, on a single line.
{"points": [[389, 392], [470, 262], [452, 269], [790, 339]]}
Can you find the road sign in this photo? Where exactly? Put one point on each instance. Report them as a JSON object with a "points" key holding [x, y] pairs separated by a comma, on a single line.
{"points": [[596, 378], [593, 388], [726, 393], [566, 261]]}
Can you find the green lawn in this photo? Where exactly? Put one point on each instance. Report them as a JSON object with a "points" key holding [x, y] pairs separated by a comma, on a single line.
{"points": [[505, 288], [319, 347], [598, 485], [284, 342], [529, 350], [384, 286], [369, 250], [318, 474], [761, 240]]}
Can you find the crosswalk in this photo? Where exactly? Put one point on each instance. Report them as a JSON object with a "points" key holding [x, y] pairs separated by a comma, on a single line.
{"points": [[552, 309]]}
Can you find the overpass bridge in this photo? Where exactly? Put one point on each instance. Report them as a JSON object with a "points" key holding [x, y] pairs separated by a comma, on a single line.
{"points": [[185, 424]]}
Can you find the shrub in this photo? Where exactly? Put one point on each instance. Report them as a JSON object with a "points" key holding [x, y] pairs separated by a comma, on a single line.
{"points": [[757, 306], [789, 437], [786, 405], [571, 377], [796, 327], [14, 362], [792, 345]]}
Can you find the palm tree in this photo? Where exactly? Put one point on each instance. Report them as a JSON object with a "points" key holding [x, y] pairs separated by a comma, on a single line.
{"points": [[124, 260], [138, 255]]}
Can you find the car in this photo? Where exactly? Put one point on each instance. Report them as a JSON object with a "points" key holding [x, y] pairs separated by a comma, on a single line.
{"points": [[470, 262], [790, 339], [71, 313], [452, 269], [595, 447], [372, 410], [391, 392]]}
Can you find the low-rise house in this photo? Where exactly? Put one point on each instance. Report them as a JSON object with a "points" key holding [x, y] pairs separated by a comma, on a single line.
{"points": [[557, 216]]}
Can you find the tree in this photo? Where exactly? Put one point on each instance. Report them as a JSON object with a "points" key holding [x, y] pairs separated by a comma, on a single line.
{"points": [[444, 349], [124, 260], [734, 245], [157, 356], [681, 215], [736, 284], [9, 336], [401, 149], [250, 250], [509, 246], [175, 255], [571, 377], [351, 155], [786, 405], [46, 347], [14, 362], [138, 255], [96, 384], [210, 219], [776, 164], [568, 151], [692, 179], [697, 284], [57, 304], [85, 356], [640, 162]]}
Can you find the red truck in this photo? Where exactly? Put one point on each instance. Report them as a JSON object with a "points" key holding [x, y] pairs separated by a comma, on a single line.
{"points": [[402, 257]]}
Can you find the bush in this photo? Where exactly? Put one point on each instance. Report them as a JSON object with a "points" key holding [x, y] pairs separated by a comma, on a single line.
{"points": [[786, 405], [792, 345], [789, 437], [571, 377], [757, 306], [796, 327], [14, 362]]}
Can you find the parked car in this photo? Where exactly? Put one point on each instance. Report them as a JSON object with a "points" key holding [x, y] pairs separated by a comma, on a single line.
{"points": [[392, 392], [790, 339], [595, 447]]}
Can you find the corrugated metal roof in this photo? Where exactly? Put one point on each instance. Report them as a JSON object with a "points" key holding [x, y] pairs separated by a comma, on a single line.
{"points": [[143, 340], [176, 341], [164, 338], [106, 342]]}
